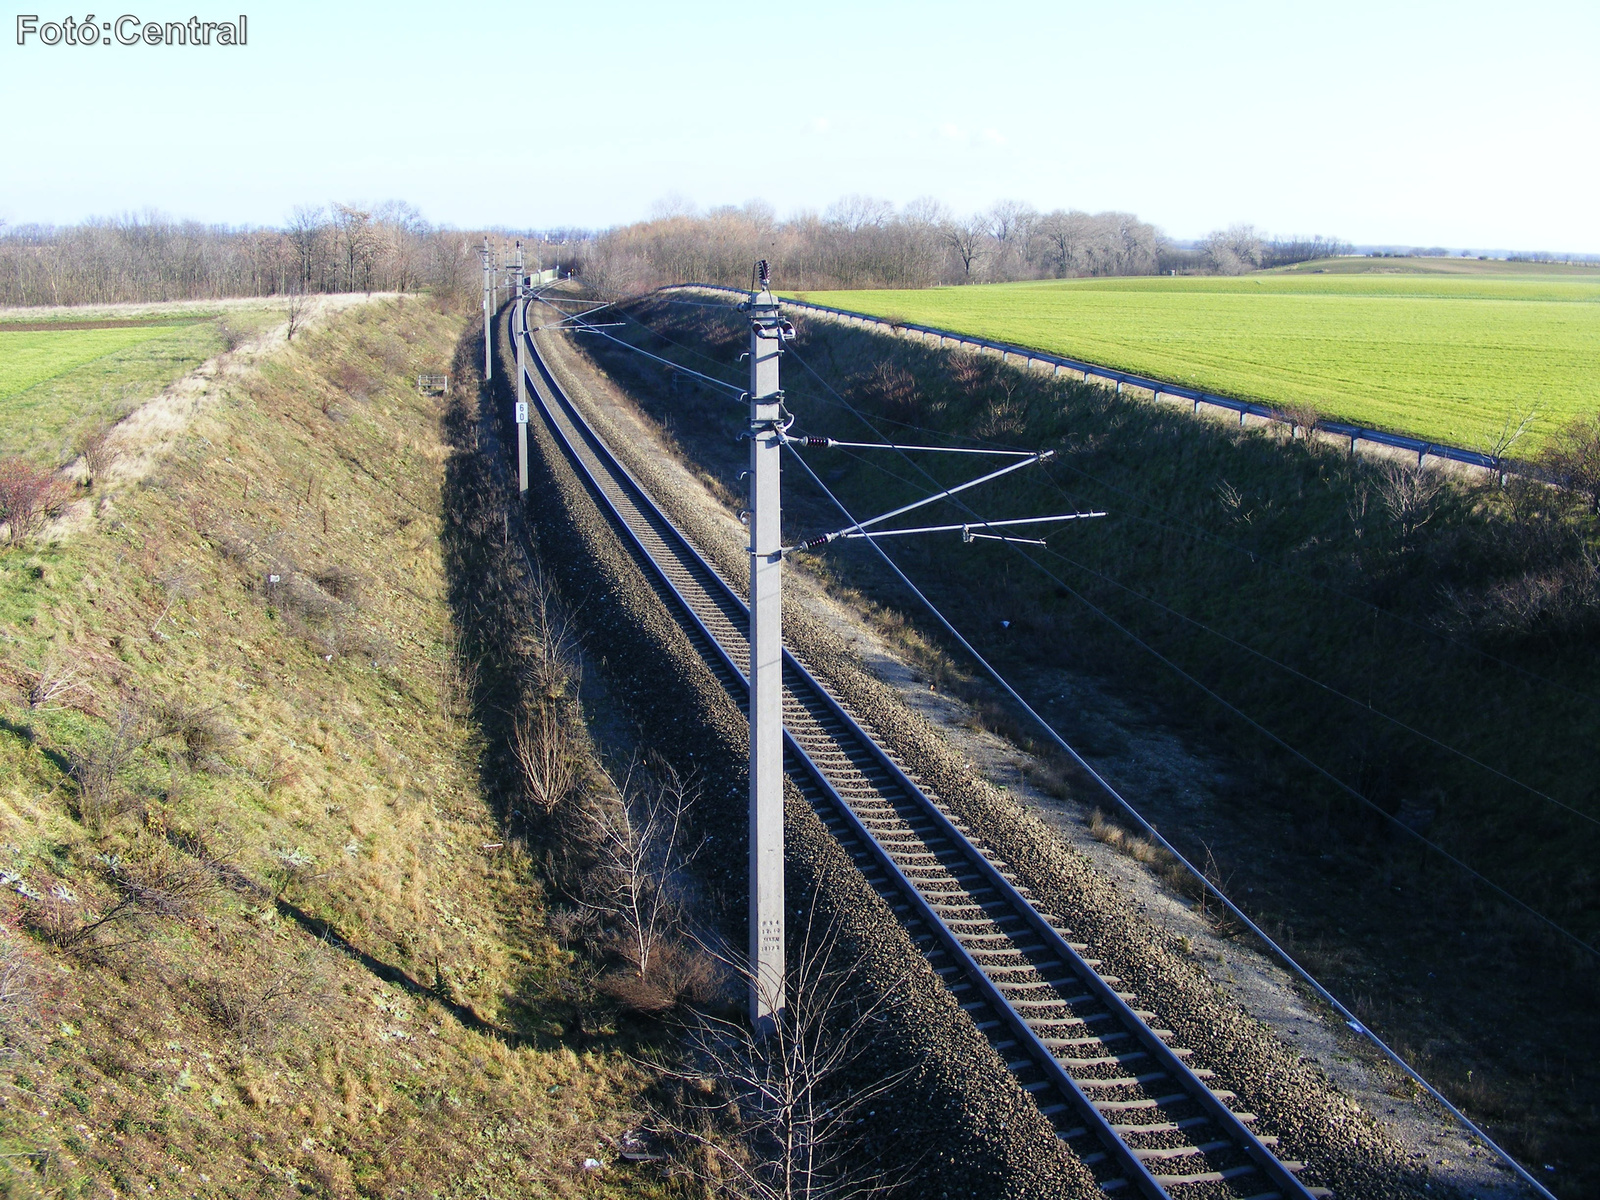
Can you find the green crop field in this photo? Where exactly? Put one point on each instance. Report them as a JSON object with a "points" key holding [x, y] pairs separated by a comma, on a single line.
{"points": [[58, 384], [1446, 352], [31, 356]]}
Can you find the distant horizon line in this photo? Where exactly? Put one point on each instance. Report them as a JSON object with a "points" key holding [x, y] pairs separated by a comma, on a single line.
{"points": [[152, 215]]}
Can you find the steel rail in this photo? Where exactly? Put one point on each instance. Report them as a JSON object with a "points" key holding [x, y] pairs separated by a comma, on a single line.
{"points": [[977, 926]]}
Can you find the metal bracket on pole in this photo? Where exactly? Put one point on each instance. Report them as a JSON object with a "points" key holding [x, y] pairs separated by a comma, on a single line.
{"points": [[766, 662]]}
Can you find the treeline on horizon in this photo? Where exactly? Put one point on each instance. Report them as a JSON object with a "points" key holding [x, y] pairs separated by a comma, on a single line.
{"points": [[150, 257], [863, 242], [857, 242]]}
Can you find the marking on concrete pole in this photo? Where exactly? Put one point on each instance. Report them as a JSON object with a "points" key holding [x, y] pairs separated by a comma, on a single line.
{"points": [[766, 664]]}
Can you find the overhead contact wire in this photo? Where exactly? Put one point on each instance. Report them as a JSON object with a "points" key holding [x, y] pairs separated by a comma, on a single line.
{"points": [[1287, 668], [1188, 529], [1176, 669]]}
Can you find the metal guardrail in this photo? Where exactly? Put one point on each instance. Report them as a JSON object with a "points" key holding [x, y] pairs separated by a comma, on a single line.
{"points": [[1356, 433]]}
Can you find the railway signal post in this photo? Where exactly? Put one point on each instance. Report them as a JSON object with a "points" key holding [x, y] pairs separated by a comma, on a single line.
{"points": [[767, 334]]}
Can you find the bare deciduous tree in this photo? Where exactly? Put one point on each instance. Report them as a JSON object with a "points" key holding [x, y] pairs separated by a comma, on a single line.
{"points": [[640, 853], [1573, 457], [1511, 431], [295, 311], [1234, 250], [967, 238], [778, 1116], [1410, 495]]}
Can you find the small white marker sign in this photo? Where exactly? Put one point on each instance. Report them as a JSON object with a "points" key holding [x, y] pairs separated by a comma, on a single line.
{"points": [[522, 412]]}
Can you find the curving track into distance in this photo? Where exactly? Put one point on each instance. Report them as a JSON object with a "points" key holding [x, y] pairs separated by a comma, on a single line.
{"points": [[1113, 1087]]}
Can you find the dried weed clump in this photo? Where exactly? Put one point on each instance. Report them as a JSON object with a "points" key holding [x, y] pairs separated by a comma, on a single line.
{"points": [[263, 1000]]}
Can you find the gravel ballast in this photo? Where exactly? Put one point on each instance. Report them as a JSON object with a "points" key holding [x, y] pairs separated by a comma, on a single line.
{"points": [[958, 1125], [1347, 1146]]}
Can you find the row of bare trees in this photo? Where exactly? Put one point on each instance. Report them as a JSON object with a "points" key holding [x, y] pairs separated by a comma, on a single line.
{"points": [[1241, 248], [150, 257], [857, 242], [863, 242]]}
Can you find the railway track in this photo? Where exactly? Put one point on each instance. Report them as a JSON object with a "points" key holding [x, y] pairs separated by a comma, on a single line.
{"points": [[1113, 1086]]}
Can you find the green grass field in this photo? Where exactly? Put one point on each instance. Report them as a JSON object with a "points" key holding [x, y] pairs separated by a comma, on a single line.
{"points": [[1446, 352], [57, 385], [31, 356]]}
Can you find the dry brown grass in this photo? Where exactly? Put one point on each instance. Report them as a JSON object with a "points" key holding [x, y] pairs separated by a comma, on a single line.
{"points": [[289, 761]]}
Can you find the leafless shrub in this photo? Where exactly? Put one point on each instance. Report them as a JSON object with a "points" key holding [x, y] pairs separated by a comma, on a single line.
{"points": [[29, 496], [572, 926], [1410, 496], [1511, 431], [203, 732], [552, 651], [230, 336], [1561, 602], [178, 586], [97, 454], [279, 773], [279, 999], [290, 866], [1358, 506], [547, 756], [295, 311], [98, 767], [1004, 415], [21, 984], [340, 582], [55, 685], [680, 973], [894, 389], [970, 370], [300, 600], [1573, 458], [234, 547], [1302, 419], [1234, 503], [161, 887], [634, 886], [458, 684], [353, 379], [775, 1115]]}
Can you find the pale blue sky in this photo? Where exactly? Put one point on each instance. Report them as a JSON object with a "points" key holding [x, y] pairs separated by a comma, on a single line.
{"points": [[1459, 124]]}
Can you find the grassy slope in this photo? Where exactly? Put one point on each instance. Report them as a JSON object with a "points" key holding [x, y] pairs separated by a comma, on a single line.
{"points": [[55, 387], [1440, 355], [226, 1050], [1309, 569]]}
